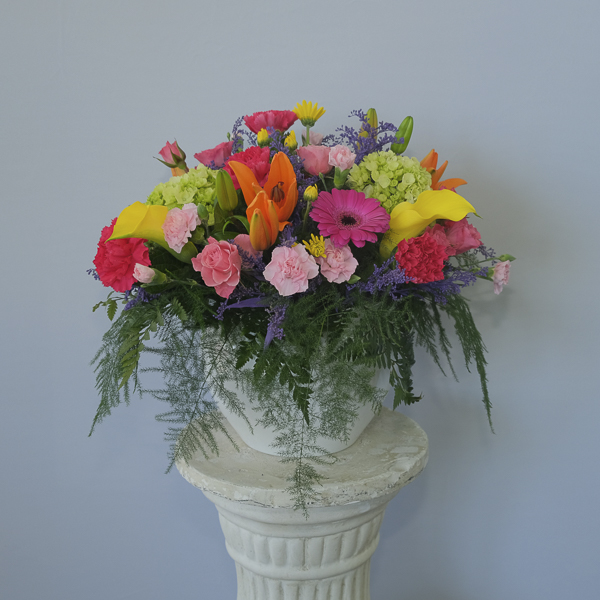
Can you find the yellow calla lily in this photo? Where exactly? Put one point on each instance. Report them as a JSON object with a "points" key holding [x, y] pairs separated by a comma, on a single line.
{"points": [[145, 221], [409, 220]]}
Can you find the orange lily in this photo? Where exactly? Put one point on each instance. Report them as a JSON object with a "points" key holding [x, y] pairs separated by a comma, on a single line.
{"points": [[264, 224], [430, 163], [281, 187]]}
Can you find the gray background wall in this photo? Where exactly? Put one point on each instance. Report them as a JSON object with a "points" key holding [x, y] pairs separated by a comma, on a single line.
{"points": [[507, 91]]}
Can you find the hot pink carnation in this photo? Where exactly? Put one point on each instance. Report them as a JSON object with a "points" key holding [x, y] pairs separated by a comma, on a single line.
{"points": [[219, 264], [342, 157], [290, 269], [179, 224], [115, 260], [422, 258], [462, 236], [218, 155], [316, 159], [281, 120], [256, 159], [346, 215], [500, 276], [339, 264], [143, 274]]}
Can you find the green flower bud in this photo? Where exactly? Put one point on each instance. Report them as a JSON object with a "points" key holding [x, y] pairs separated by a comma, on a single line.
{"points": [[226, 195], [339, 178], [403, 136], [203, 213]]}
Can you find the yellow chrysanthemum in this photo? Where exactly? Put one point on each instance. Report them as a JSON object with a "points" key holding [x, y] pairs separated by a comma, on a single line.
{"points": [[262, 138], [311, 193], [290, 141], [316, 246], [307, 113]]}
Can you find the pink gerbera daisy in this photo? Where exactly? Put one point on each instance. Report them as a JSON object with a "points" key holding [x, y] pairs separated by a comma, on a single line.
{"points": [[346, 215]]}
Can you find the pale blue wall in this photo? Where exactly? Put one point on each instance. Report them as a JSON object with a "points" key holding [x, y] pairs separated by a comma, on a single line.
{"points": [[508, 91]]}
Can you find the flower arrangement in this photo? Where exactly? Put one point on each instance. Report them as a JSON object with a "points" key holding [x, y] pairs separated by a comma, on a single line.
{"points": [[293, 269]]}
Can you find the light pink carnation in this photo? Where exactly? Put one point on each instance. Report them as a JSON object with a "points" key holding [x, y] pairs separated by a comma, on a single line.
{"points": [[219, 264], [500, 276], [316, 159], [242, 241], [342, 157], [462, 236], [179, 224], [143, 274], [339, 265], [290, 269]]}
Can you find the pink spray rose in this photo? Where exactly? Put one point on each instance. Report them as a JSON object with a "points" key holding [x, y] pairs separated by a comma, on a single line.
{"points": [[500, 276], [339, 264], [314, 138], [171, 153], [438, 233], [179, 224], [462, 236], [219, 264], [316, 159], [342, 157], [143, 273], [219, 154], [290, 269]]}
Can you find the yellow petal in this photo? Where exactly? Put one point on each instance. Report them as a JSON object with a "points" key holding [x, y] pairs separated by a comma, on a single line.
{"points": [[409, 220]]}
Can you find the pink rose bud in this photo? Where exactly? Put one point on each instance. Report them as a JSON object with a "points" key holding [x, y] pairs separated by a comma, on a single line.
{"points": [[143, 274], [500, 276], [342, 157], [316, 159], [314, 138], [171, 154]]}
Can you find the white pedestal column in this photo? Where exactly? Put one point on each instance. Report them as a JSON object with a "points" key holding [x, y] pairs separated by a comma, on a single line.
{"points": [[281, 555]]}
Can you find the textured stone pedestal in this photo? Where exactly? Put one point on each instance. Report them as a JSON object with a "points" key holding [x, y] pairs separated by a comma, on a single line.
{"points": [[279, 554]]}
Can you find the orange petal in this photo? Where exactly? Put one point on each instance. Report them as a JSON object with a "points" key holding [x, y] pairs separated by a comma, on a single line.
{"points": [[246, 179], [281, 170], [430, 161], [259, 231], [450, 184], [435, 176]]}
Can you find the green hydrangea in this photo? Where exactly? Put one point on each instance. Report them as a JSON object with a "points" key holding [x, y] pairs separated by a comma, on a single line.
{"points": [[197, 186], [390, 178]]}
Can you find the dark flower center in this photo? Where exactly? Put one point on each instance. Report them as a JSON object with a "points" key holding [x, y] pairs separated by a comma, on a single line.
{"points": [[277, 193], [348, 220]]}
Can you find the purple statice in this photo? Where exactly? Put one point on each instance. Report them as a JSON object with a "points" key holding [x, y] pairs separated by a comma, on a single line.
{"points": [[276, 319], [136, 295], [93, 273], [376, 139], [287, 240], [453, 283], [242, 297], [251, 262], [487, 253], [238, 132], [384, 279]]}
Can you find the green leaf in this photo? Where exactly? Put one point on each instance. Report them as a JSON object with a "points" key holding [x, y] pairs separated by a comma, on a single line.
{"points": [[111, 309]]}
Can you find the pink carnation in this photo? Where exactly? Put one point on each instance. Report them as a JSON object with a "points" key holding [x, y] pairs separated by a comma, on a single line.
{"points": [[277, 119], [143, 274], [242, 241], [342, 157], [500, 276], [219, 264], [179, 224], [339, 264], [256, 159], [422, 258], [438, 233], [290, 269], [116, 259], [316, 159], [462, 236], [218, 155]]}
